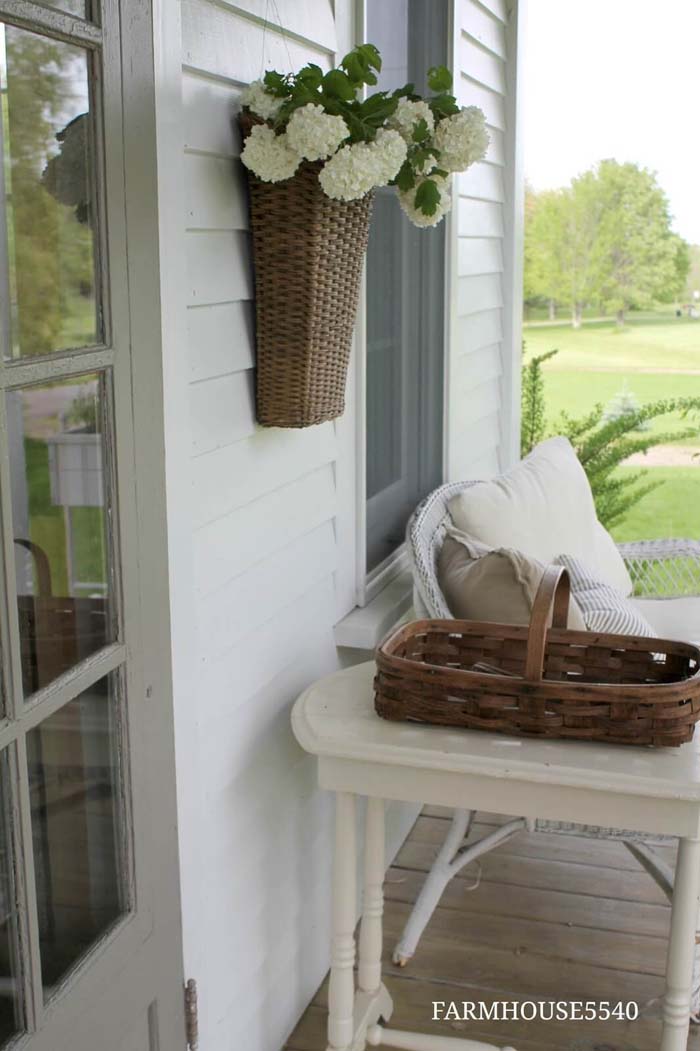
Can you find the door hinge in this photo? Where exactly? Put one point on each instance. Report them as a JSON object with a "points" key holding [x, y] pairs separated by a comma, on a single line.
{"points": [[191, 1015]]}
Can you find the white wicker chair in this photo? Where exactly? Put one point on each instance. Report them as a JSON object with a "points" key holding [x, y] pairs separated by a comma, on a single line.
{"points": [[659, 569]]}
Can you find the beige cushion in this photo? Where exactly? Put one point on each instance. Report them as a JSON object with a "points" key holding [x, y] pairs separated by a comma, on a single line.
{"points": [[491, 585], [672, 618], [542, 507]]}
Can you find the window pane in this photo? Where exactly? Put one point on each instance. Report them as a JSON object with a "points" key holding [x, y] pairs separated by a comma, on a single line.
{"points": [[71, 7], [11, 1012], [56, 451], [77, 827], [47, 289]]}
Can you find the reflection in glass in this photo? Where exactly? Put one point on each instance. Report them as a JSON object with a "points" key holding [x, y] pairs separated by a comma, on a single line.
{"points": [[76, 827], [11, 1013], [47, 292], [55, 446]]}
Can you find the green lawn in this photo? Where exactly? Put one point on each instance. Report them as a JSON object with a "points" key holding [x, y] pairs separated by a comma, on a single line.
{"points": [[671, 510], [655, 356]]}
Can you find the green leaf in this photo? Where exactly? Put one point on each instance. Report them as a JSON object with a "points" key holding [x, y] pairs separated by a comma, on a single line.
{"points": [[355, 68], [276, 84], [371, 56], [311, 76], [406, 92], [427, 197], [338, 84], [406, 179], [421, 131], [443, 105], [439, 79]]}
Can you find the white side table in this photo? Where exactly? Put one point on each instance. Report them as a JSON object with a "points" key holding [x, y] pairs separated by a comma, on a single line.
{"points": [[359, 754]]}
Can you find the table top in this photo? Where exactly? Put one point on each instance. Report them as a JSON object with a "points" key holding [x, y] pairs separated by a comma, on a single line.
{"points": [[335, 718]]}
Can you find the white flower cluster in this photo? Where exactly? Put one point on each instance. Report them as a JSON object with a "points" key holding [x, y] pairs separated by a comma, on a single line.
{"points": [[259, 100], [407, 115], [461, 139], [407, 200], [354, 170], [315, 134], [268, 155]]}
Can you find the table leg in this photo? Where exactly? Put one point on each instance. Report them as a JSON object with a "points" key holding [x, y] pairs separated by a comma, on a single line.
{"points": [[341, 990], [370, 948], [679, 967]]}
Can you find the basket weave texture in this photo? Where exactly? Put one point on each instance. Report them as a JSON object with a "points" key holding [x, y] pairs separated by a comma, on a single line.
{"points": [[308, 252], [540, 682]]}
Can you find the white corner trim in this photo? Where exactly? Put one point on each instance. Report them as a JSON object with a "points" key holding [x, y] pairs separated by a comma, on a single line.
{"points": [[365, 627]]}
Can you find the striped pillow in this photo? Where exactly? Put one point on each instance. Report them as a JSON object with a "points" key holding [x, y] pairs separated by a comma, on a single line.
{"points": [[604, 609]]}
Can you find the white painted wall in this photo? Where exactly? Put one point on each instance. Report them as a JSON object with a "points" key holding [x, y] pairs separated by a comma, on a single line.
{"points": [[265, 577], [262, 523], [485, 251]]}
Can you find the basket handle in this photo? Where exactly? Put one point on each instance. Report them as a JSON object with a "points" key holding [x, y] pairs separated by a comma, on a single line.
{"points": [[552, 597]]}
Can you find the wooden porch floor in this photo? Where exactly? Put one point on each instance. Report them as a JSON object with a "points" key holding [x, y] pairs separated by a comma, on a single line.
{"points": [[554, 917]]}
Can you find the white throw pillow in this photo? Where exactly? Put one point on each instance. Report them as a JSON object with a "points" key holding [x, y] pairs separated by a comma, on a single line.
{"points": [[603, 607], [542, 506]]}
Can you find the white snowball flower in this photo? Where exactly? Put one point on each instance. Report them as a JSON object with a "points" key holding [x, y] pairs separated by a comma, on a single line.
{"points": [[354, 170], [350, 173], [268, 155], [390, 151], [407, 115], [260, 101], [315, 134], [407, 201], [462, 139]]}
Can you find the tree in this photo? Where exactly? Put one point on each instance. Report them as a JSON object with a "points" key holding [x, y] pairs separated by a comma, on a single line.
{"points": [[639, 256]]}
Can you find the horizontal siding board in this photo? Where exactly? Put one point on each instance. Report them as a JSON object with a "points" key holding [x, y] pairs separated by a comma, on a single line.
{"points": [[482, 66], [254, 658], [215, 193], [209, 114], [484, 292], [489, 32], [480, 433], [479, 218], [220, 339], [482, 400], [496, 151], [219, 266], [479, 330], [472, 93], [498, 8], [246, 603], [479, 366], [479, 255], [222, 411], [230, 545], [232, 477], [219, 41], [483, 181], [311, 20]]}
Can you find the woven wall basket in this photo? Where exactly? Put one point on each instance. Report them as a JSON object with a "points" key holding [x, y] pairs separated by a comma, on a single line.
{"points": [[308, 252], [539, 682]]}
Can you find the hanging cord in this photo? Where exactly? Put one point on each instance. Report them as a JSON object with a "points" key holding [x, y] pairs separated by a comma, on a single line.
{"points": [[266, 23]]}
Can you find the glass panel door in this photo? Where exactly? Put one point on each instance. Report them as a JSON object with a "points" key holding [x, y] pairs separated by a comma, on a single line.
{"points": [[65, 813]]}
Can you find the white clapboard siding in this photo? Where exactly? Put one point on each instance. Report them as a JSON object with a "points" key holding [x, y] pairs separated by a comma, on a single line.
{"points": [[209, 111], [234, 476], [215, 197], [218, 266], [226, 44], [481, 241], [224, 548], [481, 26], [220, 339], [222, 411]]}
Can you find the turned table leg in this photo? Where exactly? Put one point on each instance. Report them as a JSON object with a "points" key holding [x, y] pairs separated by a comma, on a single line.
{"points": [[681, 949], [341, 990], [370, 947]]}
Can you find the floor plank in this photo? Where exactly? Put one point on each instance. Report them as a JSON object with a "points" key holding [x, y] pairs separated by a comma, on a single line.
{"points": [[553, 918]]}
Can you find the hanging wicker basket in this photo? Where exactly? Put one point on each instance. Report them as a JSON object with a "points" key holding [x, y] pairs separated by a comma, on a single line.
{"points": [[308, 252]]}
